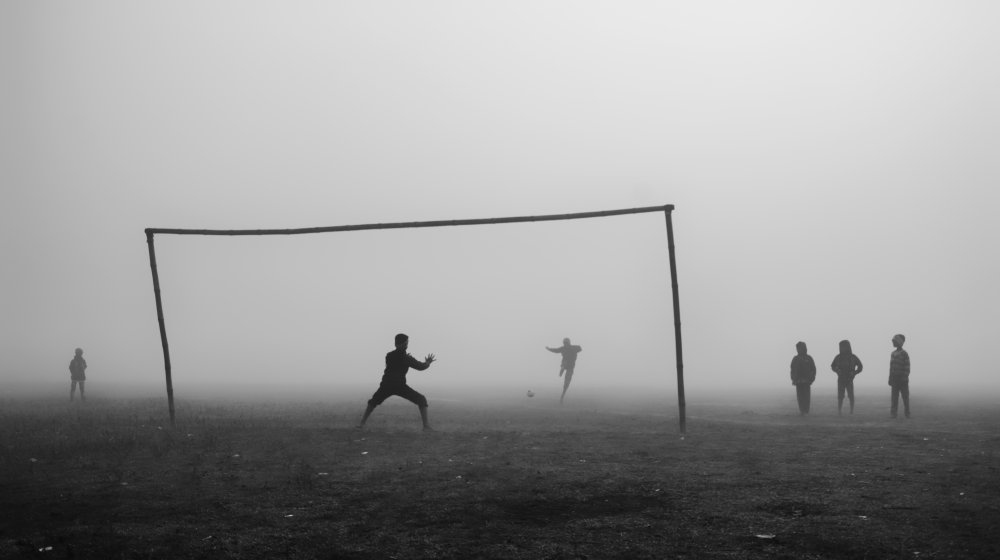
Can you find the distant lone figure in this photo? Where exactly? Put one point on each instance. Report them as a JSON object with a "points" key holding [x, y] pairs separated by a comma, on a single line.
{"points": [[899, 376], [803, 375], [569, 352], [847, 365], [397, 363], [77, 374]]}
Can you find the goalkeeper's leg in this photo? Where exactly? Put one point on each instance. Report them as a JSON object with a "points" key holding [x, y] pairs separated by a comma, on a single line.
{"points": [[412, 395], [378, 398]]}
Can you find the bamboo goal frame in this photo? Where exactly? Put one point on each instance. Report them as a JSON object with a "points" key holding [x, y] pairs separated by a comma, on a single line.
{"points": [[666, 209]]}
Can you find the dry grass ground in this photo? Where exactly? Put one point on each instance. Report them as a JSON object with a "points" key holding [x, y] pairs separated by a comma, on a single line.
{"points": [[524, 479]]}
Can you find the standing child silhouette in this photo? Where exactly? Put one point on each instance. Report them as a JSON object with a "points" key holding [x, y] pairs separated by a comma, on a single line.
{"points": [[77, 374], [803, 374], [846, 365], [899, 376]]}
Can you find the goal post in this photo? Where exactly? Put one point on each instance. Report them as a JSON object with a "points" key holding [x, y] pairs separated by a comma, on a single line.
{"points": [[666, 209]]}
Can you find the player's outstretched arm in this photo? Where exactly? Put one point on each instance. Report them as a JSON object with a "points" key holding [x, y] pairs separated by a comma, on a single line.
{"points": [[430, 359]]}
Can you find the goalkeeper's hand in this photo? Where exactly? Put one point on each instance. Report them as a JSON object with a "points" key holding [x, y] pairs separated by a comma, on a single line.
{"points": [[430, 359]]}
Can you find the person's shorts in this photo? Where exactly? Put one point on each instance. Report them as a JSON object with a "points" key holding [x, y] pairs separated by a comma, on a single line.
{"points": [[385, 391]]}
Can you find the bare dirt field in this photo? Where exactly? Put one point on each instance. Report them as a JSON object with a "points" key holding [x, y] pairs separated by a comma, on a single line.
{"points": [[518, 479]]}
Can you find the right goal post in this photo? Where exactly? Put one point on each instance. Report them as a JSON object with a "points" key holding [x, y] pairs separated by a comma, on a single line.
{"points": [[666, 209]]}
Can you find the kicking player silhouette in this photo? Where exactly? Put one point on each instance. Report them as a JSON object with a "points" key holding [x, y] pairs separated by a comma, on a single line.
{"points": [[569, 352]]}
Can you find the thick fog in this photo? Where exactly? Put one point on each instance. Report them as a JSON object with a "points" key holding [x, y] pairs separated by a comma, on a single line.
{"points": [[834, 170]]}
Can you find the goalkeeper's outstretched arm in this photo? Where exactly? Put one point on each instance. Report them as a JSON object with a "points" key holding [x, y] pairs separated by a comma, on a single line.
{"points": [[421, 366]]}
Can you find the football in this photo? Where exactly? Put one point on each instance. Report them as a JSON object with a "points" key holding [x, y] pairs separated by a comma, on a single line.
{"points": [[530, 393]]}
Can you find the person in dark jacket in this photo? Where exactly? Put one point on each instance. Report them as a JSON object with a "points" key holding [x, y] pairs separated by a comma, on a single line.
{"points": [[397, 363], [899, 376], [77, 374], [568, 363], [803, 375], [846, 365]]}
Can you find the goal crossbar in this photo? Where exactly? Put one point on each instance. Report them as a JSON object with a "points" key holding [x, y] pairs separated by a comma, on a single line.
{"points": [[666, 209]]}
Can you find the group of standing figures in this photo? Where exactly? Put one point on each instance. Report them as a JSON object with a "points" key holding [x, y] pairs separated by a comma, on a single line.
{"points": [[847, 365]]}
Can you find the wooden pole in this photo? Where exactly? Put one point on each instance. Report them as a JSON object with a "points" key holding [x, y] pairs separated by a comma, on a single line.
{"points": [[163, 328], [677, 320], [439, 223]]}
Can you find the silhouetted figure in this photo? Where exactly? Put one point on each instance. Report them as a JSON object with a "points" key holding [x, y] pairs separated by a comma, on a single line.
{"points": [[77, 374], [899, 376], [569, 352], [803, 375], [397, 363], [847, 365]]}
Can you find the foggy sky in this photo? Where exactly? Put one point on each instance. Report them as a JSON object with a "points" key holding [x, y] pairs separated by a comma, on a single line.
{"points": [[834, 170]]}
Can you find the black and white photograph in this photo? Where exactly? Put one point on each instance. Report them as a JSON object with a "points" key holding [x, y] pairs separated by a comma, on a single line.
{"points": [[504, 280]]}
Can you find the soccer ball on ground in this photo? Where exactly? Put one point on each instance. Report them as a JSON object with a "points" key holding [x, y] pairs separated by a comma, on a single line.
{"points": [[530, 393]]}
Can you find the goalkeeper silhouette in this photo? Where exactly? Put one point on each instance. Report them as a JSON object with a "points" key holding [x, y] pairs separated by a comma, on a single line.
{"points": [[569, 352], [397, 363]]}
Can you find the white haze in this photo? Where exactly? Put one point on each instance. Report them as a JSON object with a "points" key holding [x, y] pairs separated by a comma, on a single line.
{"points": [[834, 169]]}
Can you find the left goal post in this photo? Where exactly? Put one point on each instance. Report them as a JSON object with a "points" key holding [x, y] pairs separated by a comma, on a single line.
{"points": [[666, 209]]}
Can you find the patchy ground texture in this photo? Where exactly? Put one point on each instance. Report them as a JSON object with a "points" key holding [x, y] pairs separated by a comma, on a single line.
{"points": [[112, 479]]}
